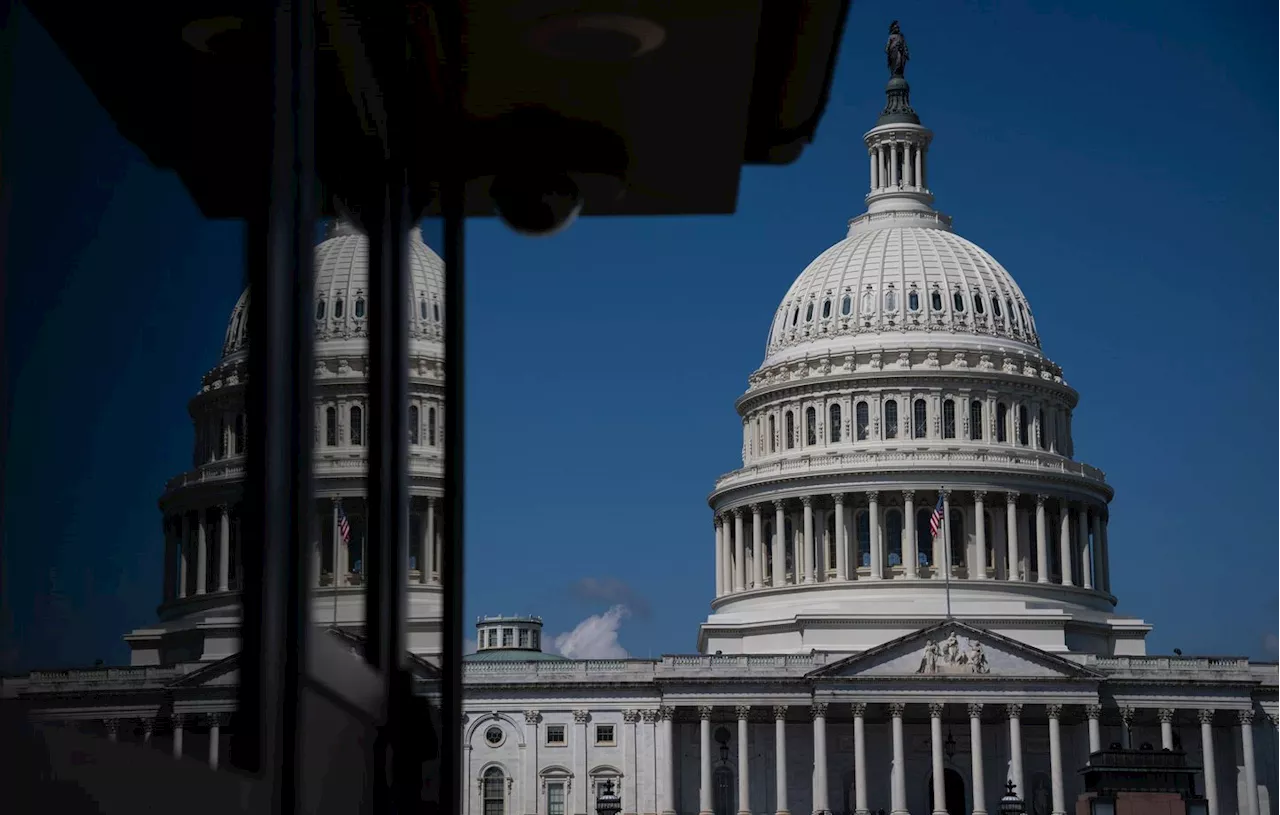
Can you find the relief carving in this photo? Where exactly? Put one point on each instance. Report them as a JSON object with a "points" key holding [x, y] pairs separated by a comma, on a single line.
{"points": [[947, 657]]}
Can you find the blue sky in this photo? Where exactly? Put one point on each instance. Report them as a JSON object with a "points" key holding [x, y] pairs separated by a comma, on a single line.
{"points": [[1117, 158]]}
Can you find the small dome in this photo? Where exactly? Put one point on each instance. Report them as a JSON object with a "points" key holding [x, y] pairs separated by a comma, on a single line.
{"points": [[341, 304], [911, 278]]}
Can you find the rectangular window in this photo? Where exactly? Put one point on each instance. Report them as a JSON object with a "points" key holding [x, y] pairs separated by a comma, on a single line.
{"points": [[555, 734], [524, 638], [604, 734], [534, 644], [493, 637], [555, 798], [508, 637]]}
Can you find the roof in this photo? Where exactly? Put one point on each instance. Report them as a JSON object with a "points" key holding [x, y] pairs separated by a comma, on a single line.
{"points": [[513, 655]]}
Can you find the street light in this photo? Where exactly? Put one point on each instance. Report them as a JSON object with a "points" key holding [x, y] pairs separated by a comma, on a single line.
{"points": [[949, 746], [1011, 804], [608, 802]]}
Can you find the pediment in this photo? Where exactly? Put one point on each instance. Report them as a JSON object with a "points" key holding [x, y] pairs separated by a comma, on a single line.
{"points": [[953, 650]]}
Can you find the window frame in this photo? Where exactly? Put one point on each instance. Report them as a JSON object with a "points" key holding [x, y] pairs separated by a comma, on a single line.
{"points": [[562, 729]]}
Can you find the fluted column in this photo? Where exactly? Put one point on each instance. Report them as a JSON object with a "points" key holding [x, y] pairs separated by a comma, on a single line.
{"points": [[1249, 806], [1064, 543], [1126, 728], [739, 552], [184, 564], [580, 719], [873, 525], [979, 569], [1011, 541], [179, 724], [757, 550], [718, 522], [1055, 759], [1094, 713], [1042, 541], [919, 157], [842, 543], [780, 754], [1165, 714], [779, 544], [215, 721], [224, 546], [898, 788], [975, 757], [429, 558], [667, 714], [860, 758], [1015, 749], [910, 557], [704, 760], [819, 713], [202, 553], [1082, 546], [935, 749], [810, 561], [424, 547], [744, 759], [1207, 758], [872, 155]]}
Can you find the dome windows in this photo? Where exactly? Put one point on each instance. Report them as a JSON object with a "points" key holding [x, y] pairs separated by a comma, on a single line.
{"points": [[975, 420], [1022, 425], [431, 427], [320, 309], [337, 309], [808, 313], [415, 430], [422, 309], [913, 301], [826, 309], [868, 303], [890, 301], [957, 302], [919, 419], [1013, 315], [935, 300], [435, 312], [891, 419], [356, 429], [949, 419], [810, 426], [795, 316], [331, 427], [846, 305], [790, 422], [1002, 422], [773, 435], [359, 309], [979, 306], [862, 417], [833, 423], [995, 306]]}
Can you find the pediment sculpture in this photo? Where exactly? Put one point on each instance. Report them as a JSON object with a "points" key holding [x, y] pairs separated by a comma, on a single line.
{"points": [[948, 657]]}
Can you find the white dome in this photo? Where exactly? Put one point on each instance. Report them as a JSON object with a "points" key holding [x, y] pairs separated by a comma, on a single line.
{"points": [[342, 289], [911, 278]]}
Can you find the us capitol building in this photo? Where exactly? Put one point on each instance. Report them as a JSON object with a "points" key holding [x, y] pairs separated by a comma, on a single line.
{"points": [[851, 662]]}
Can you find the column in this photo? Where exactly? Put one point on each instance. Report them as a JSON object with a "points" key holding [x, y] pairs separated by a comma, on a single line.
{"points": [[1064, 543], [975, 756], [1249, 806], [779, 545], [704, 760], [872, 155], [339, 565], [317, 551], [1082, 543], [1126, 724], [1015, 749], [860, 759], [1104, 558], [668, 796], [652, 762], [424, 549], [170, 559], [898, 794], [1206, 752], [910, 557], [215, 735], [580, 718], [895, 167], [148, 725], [819, 713], [113, 728], [979, 569], [533, 739], [842, 542], [224, 546], [1042, 541], [873, 526], [179, 722], [739, 552], [780, 757], [935, 748], [1165, 715], [718, 523], [907, 163], [184, 562], [429, 557], [1055, 759], [744, 759], [1094, 712], [919, 177], [202, 553], [810, 573], [757, 548], [1094, 557]]}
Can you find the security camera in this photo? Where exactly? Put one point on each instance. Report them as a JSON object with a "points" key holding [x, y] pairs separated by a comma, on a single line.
{"points": [[536, 203]]}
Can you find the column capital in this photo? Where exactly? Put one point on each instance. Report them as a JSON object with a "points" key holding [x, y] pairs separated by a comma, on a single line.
{"points": [[979, 495], [1245, 717], [1093, 711], [581, 716], [780, 712], [179, 720], [859, 709], [704, 712], [737, 512], [630, 716], [112, 724], [1165, 714], [838, 497], [975, 710], [1205, 715], [935, 710], [533, 716], [649, 716], [431, 501], [466, 717], [755, 508], [873, 496], [1012, 498], [216, 719], [817, 710], [335, 499], [666, 713], [945, 492], [909, 495], [896, 709], [1013, 711], [1053, 711], [743, 712], [224, 507], [1126, 714], [1040, 499], [779, 504], [807, 500]]}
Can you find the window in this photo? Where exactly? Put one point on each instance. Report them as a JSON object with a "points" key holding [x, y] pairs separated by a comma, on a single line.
{"points": [[534, 636], [891, 419], [337, 309], [1026, 318], [359, 308], [239, 431], [957, 302], [810, 426], [1040, 430], [893, 542], [808, 314], [787, 546], [861, 414], [890, 301], [948, 419], [826, 309], [495, 800], [846, 305], [995, 306], [222, 438], [320, 309], [414, 429], [604, 734], [831, 541], [555, 798], [331, 427], [868, 304], [924, 540], [508, 637], [435, 312], [493, 637], [979, 306], [431, 426], [913, 300], [357, 425], [795, 316], [555, 734], [975, 420], [493, 736], [956, 534], [524, 638], [773, 435], [1002, 422], [1022, 425], [935, 300], [863, 522], [833, 422], [790, 421], [919, 419]]}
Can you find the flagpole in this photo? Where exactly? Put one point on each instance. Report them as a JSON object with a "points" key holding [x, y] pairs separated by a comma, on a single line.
{"points": [[946, 549], [337, 547]]}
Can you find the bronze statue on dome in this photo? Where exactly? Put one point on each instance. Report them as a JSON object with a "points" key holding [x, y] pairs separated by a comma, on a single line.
{"points": [[896, 50]]}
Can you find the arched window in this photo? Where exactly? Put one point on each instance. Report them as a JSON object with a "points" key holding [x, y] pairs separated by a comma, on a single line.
{"points": [[337, 309], [431, 426], [868, 304], [357, 425], [494, 792], [913, 301], [826, 308], [863, 521], [863, 419], [331, 427], [891, 419], [979, 304], [1040, 430], [435, 312], [422, 308], [773, 435], [957, 302], [975, 420], [846, 305], [320, 309], [414, 429], [808, 313], [795, 316], [1022, 425], [995, 306], [956, 522], [935, 300], [359, 308], [810, 426], [790, 421], [1013, 314], [833, 423], [924, 540], [893, 531], [1002, 422], [948, 419], [890, 301], [919, 419], [239, 431]]}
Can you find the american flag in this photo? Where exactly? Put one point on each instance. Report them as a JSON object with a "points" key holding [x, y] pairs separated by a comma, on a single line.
{"points": [[935, 520], [344, 528]]}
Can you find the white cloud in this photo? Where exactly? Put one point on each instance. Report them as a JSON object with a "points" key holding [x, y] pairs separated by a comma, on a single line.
{"points": [[1271, 645], [468, 646], [595, 637]]}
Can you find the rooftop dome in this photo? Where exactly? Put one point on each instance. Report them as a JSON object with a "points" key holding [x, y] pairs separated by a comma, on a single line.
{"points": [[342, 287]]}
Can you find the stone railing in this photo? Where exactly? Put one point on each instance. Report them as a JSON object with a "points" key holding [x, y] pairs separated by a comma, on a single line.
{"points": [[643, 670], [1155, 664], [875, 461], [104, 676], [224, 471]]}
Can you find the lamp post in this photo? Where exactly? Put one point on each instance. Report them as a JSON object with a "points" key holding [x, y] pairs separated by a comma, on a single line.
{"points": [[1011, 804], [949, 746], [608, 802]]}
